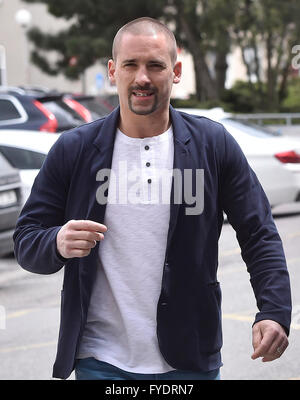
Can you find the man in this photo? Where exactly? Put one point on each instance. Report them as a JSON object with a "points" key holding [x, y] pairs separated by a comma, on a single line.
{"points": [[132, 205]]}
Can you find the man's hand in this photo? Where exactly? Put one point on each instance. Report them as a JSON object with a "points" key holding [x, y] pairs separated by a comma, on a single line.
{"points": [[269, 340], [77, 238]]}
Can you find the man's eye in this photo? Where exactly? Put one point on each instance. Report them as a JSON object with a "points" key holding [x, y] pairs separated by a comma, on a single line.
{"points": [[160, 66]]}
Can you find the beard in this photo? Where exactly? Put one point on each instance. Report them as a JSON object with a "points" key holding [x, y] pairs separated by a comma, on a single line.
{"points": [[139, 110]]}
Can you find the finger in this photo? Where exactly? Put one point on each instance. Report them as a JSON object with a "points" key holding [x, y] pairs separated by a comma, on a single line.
{"points": [[83, 244], [275, 349], [79, 253], [87, 225], [263, 347], [279, 347], [256, 340], [84, 235], [269, 358], [275, 352]]}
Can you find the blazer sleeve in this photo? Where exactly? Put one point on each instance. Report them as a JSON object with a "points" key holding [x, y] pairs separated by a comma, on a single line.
{"points": [[43, 215], [249, 212]]}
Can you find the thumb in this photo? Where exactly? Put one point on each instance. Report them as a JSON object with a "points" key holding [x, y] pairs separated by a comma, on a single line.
{"points": [[256, 341]]}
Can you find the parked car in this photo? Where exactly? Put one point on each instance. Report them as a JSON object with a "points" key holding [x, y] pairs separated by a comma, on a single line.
{"points": [[10, 204], [26, 150], [35, 110], [275, 159], [89, 107], [66, 116]]}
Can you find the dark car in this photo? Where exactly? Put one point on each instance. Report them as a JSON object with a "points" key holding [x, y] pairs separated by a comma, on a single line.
{"points": [[89, 107], [10, 204], [66, 116], [33, 110]]}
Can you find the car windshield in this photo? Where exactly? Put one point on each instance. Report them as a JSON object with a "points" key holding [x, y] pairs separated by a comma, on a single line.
{"points": [[250, 128], [22, 158]]}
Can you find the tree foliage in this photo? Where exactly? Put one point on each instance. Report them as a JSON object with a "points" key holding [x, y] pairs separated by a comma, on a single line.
{"points": [[93, 24], [264, 30], [202, 27]]}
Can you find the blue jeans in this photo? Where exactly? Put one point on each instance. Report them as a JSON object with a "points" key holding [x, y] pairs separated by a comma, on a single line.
{"points": [[92, 369]]}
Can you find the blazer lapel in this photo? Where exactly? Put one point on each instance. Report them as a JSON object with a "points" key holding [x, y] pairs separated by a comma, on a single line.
{"points": [[102, 160], [182, 161]]}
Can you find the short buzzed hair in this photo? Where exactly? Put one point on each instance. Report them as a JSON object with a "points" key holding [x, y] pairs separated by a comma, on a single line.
{"points": [[145, 26]]}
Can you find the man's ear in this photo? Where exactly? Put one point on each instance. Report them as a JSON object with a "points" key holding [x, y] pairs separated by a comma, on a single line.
{"points": [[177, 72], [111, 71]]}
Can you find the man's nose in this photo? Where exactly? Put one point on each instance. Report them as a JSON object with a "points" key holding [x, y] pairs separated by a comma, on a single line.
{"points": [[142, 77]]}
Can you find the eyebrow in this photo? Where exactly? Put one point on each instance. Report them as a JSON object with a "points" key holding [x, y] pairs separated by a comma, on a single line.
{"points": [[129, 61], [157, 62], [134, 60]]}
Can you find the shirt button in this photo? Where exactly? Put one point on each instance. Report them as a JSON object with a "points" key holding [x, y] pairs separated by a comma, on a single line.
{"points": [[148, 164], [147, 147], [149, 180]]}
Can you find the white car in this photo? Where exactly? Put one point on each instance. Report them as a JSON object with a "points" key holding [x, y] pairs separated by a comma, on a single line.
{"points": [[26, 151], [274, 159]]}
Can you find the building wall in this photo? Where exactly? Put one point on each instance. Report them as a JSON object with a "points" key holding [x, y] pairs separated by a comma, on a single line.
{"points": [[12, 37]]}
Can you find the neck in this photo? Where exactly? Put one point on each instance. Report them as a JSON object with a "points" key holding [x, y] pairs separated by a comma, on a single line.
{"points": [[142, 126]]}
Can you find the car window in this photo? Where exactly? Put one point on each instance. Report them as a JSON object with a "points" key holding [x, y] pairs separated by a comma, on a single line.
{"points": [[8, 110], [4, 164], [22, 158], [94, 107], [249, 128], [62, 112]]}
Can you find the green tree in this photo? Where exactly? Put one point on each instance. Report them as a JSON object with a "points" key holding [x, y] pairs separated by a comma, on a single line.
{"points": [[266, 31], [93, 24], [201, 26]]}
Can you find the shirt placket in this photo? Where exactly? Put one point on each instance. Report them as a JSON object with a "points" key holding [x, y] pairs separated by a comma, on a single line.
{"points": [[148, 172]]}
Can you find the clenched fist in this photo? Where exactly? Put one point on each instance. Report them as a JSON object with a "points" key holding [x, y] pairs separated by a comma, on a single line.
{"points": [[77, 238], [269, 340]]}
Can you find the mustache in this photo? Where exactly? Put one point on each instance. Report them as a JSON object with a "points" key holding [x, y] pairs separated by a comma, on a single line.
{"points": [[138, 87]]}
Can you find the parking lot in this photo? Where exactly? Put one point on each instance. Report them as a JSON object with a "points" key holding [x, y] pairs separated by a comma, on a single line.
{"points": [[29, 306]]}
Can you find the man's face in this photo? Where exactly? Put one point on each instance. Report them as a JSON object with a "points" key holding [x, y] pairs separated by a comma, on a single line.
{"points": [[144, 73]]}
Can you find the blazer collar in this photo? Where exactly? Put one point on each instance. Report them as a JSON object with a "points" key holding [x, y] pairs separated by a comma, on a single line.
{"points": [[181, 134], [106, 137]]}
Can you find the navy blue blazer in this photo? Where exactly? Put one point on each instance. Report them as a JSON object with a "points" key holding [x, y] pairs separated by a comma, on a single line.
{"points": [[189, 309]]}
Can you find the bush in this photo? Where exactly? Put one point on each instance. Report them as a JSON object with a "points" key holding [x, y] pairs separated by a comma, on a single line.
{"points": [[292, 102], [244, 97], [192, 102]]}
